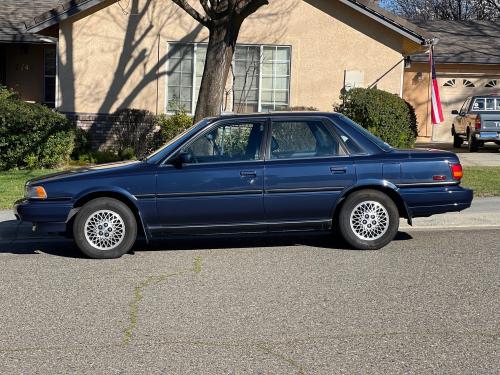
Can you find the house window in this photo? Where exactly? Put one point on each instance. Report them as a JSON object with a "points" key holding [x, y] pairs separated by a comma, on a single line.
{"points": [[261, 77], [491, 83], [49, 84], [449, 83], [468, 83]]}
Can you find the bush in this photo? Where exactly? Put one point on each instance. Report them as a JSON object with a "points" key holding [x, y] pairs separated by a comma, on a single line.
{"points": [[31, 135], [82, 143], [384, 114], [173, 125], [134, 131]]}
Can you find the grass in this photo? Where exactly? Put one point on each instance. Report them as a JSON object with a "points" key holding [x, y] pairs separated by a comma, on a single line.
{"points": [[12, 184], [485, 181]]}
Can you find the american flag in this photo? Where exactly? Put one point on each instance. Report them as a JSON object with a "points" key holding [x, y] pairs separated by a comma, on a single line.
{"points": [[436, 109]]}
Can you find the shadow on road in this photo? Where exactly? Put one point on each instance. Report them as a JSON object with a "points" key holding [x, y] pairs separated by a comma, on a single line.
{"points": [[23, 242]]}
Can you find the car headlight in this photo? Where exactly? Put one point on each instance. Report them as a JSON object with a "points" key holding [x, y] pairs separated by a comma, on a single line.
{"points": [[35, 192]]}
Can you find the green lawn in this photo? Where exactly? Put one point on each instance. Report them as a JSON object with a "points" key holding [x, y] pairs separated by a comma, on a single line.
{"points": [[12, 185], [484, 180]]}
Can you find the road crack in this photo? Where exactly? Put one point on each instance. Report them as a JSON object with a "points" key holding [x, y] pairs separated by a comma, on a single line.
{"points": [[134, 303]]}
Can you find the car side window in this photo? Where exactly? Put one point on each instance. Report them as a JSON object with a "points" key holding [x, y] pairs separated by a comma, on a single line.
{"points": [[227, 142], [301, 139]]}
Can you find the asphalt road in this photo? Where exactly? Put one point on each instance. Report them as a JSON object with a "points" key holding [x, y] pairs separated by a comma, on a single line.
{"points": [[427, 303]]}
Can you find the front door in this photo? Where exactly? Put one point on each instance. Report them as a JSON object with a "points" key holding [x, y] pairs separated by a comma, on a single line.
{"points": [[221, 186], [306, 170]]}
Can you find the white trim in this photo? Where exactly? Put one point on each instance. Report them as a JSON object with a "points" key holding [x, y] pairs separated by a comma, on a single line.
{"points": [[402, 79], [57, 104]]}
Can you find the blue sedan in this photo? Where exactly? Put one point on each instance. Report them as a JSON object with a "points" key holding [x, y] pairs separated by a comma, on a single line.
{"points": [[247, 174]]}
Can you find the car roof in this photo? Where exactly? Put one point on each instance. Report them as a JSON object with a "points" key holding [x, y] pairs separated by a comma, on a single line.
{"points": [[276, 114]]}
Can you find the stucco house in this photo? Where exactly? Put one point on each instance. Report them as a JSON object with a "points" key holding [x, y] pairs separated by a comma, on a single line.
{"points": [[149, 54]]}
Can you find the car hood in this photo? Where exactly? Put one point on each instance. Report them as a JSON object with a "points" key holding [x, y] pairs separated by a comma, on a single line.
{"points": [[96, 169]]}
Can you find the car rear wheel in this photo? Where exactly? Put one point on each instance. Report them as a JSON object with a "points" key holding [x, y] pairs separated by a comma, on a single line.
{"points": [[473, 143], [457, 141], [368, 220], [105, 228]]}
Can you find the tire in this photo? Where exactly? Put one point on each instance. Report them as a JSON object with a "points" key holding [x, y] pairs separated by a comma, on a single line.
{"points": [[457, 141], [116, 218], [376, 204], [473, 144]]}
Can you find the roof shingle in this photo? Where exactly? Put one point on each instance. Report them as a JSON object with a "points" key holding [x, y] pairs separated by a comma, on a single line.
{"points": [[464, 42], [13, 14]]}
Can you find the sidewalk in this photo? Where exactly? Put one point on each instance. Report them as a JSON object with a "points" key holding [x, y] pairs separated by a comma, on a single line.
{"points": [[484, 213], [489, 156]]}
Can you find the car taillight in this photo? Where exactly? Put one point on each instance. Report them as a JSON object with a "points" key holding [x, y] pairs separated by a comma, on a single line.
{"points": [[456, 171], [477, 124]]}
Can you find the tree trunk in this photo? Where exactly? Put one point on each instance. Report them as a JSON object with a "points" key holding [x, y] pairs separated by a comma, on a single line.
{"points": [[220, 50]]}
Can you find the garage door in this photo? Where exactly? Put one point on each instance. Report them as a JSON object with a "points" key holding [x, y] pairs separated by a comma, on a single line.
{"points": [[454, 91]]}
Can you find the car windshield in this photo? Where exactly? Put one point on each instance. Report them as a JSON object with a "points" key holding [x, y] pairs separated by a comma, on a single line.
{"points": [[380, 143], [199, 124]]}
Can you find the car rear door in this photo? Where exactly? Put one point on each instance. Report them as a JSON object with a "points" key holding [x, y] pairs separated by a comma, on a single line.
{"points": [[306, 169], [221, 188]]}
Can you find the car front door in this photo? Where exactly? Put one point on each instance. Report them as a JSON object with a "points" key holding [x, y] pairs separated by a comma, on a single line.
{"points": [[221, 184], [306, 170]]}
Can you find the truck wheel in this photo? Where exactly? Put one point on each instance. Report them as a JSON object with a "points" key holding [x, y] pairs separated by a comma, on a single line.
{"points": [[473, 144], [105, 228], [457, 141], [369, 220]]}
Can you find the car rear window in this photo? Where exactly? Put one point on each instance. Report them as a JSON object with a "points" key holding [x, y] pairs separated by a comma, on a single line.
{"points": [[486, 104], [376, 140]]}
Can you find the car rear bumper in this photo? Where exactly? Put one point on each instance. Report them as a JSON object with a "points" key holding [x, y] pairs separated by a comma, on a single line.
{"points": [[422, 202], [488, 136], [46, 216]]}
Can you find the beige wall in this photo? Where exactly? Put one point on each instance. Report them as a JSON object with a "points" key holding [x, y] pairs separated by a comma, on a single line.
{"points": [[24, 70], [115, 57]]}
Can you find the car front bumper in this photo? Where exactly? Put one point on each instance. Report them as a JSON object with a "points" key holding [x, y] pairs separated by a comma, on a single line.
{"points": [[46, 216], [429, 201]]}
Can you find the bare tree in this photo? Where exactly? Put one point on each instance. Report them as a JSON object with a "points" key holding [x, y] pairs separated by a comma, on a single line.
{"points": [[458, 10], [223, 18]]}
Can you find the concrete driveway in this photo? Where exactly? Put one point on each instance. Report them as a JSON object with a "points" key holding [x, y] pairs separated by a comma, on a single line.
{"points": [[489, 156]]}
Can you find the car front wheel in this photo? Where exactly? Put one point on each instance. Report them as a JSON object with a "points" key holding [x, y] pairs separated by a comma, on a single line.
{"points": [[105, 228], [368, 220]]}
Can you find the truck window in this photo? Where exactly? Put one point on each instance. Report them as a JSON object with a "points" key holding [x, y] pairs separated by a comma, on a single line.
{"points": [[478, 104]]}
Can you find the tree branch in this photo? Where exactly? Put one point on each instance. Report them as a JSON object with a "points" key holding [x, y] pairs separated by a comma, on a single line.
{"points": [[205, 21], [209, 11], [247, 7]]}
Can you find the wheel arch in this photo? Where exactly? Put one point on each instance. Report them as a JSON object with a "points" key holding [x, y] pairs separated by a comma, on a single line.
{"points": [[386, 187], [121, 196]]}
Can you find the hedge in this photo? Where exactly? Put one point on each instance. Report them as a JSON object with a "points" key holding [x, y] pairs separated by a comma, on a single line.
{"points": [[32, 135], [384, 114]]}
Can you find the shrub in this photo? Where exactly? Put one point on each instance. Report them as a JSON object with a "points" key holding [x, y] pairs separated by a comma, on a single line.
{"points": [[133, 130], [384, 114], [172, 125], [31, 135], [82, 143], [97, 157]]}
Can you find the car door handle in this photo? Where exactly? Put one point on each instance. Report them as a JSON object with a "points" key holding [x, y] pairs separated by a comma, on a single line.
{"points": [[338, 170], [248, 174]]}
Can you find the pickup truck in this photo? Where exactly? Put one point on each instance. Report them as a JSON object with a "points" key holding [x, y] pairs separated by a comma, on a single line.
{"points": [[477, 122]]}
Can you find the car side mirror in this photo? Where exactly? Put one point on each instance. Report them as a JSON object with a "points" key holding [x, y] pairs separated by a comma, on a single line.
{"points": [[454, 112], [181, 159]]}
